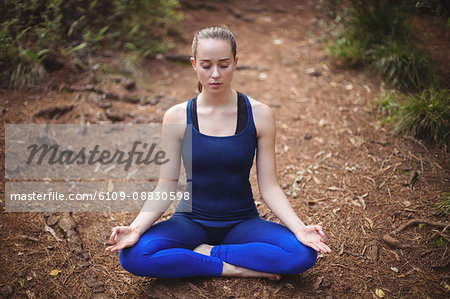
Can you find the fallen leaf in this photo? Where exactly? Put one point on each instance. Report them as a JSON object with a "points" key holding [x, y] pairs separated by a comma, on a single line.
{"points": [[333, 188], [369, 221], [395, 269], [379, 293], [55, 272], [316, 180], [277, 42]]}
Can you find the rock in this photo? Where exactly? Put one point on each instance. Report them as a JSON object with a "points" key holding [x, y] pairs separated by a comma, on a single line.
{"points": [[90, 87], [114, 115], [179, 57], [54, 112], [129, 85], [52, 220], [262, 76], [250, 67], [66, 223], [104, 103], [145, 118], [111, 96], [134, 99], [153, 101], [238, 14], [308, 136], [313, 72], [118, 79]]}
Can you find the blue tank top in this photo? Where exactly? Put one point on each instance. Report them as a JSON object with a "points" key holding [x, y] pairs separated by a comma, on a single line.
{"points": [[218, 175]]}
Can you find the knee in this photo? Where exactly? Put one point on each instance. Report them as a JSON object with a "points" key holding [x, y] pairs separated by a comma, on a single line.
{"points": [[132, 261], [300, 260], [137, 261]]}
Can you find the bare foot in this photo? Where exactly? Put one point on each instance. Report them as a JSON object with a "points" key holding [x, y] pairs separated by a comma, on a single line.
{"points": [[236, 271], [203, 249]]}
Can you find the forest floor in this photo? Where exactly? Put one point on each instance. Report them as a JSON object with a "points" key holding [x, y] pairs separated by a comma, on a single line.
{"points": [[357, 181]]}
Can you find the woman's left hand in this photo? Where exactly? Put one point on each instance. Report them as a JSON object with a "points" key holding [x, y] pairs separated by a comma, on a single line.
{"points": [[314, 237]]}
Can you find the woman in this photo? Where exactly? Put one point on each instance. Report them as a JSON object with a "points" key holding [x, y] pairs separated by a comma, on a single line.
{"points": [[223, 235]]}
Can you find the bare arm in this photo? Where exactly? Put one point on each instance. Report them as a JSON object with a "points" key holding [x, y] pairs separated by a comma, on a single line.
{"points": [[172, 135], [271, 193]]}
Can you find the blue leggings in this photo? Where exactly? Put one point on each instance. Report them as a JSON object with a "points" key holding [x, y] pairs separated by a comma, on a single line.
{"points": [[165, 249]]}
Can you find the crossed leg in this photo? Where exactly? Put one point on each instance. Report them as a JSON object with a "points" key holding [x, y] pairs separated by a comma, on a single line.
{"points": [[253, 248], [264, 246]]}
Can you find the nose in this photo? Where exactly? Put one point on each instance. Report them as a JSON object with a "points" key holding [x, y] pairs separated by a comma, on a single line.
{"points": [[216, 73]]}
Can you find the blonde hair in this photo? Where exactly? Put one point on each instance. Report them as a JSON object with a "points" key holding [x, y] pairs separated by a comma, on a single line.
{"points": [[213, 32]]}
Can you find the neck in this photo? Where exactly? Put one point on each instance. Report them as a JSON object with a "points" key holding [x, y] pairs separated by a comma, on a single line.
{"points": [[228, 97]]}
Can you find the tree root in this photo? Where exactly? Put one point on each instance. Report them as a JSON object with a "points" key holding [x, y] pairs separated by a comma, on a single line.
{"points": [[396, 243]]}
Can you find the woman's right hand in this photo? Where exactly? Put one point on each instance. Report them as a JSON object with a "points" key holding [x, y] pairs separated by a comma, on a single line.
{"points": [[122, 237]]}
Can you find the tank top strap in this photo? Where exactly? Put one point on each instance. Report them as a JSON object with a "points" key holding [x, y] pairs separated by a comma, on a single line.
{"points": [[249, 112], [188, 111]]}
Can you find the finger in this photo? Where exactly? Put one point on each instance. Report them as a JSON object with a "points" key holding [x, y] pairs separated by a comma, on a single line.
{"points": [[117, 230], [325, 248], [114, 248], [319, 229], [112, 237], [328, 248]]}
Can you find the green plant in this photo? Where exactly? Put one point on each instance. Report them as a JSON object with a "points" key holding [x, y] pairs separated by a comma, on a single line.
{"points": [[376, 33], [426, 115], [443, 206], [401, 64], [388, 104], [75, 29]]}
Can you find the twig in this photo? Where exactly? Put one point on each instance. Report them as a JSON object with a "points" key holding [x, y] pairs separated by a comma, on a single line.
{"points": [[396, 243], [28, 238], [417, 221], [52, 232], [339, 265]]}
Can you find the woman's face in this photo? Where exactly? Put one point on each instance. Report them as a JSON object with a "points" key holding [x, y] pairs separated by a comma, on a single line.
{"points": [[214, 64]]}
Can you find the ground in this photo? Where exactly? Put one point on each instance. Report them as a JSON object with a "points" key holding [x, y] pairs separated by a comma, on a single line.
{"points": [[355, 183]]}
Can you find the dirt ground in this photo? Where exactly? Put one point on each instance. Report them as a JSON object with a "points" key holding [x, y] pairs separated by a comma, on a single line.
{"points": [[355, 183]]}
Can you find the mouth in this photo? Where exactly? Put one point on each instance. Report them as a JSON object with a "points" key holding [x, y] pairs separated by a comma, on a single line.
{"points": [[215, 84]]}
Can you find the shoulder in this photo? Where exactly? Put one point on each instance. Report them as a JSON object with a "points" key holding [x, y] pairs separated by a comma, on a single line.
{"points": [[263, 117], [260, 110], [176, 114]]}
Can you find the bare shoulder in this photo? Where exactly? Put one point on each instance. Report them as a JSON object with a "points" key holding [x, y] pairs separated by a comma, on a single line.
{"points": [[263, 117], [261, 112], [176, 114]]}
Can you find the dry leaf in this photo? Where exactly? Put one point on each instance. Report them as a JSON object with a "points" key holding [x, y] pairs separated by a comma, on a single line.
{"points": [[369, 221], [379, 293], [55, 272], [316, 180], [333, 188]]}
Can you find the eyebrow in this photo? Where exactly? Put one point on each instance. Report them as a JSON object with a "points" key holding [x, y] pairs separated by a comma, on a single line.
{"points": [[223, 59]]}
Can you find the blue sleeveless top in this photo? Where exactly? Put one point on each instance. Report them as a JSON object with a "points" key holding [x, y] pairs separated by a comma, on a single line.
{"points": [[218, 175]]}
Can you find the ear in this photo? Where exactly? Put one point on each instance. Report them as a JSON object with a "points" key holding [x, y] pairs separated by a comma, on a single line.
{"points": [[193, 63], [236, 62]]}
